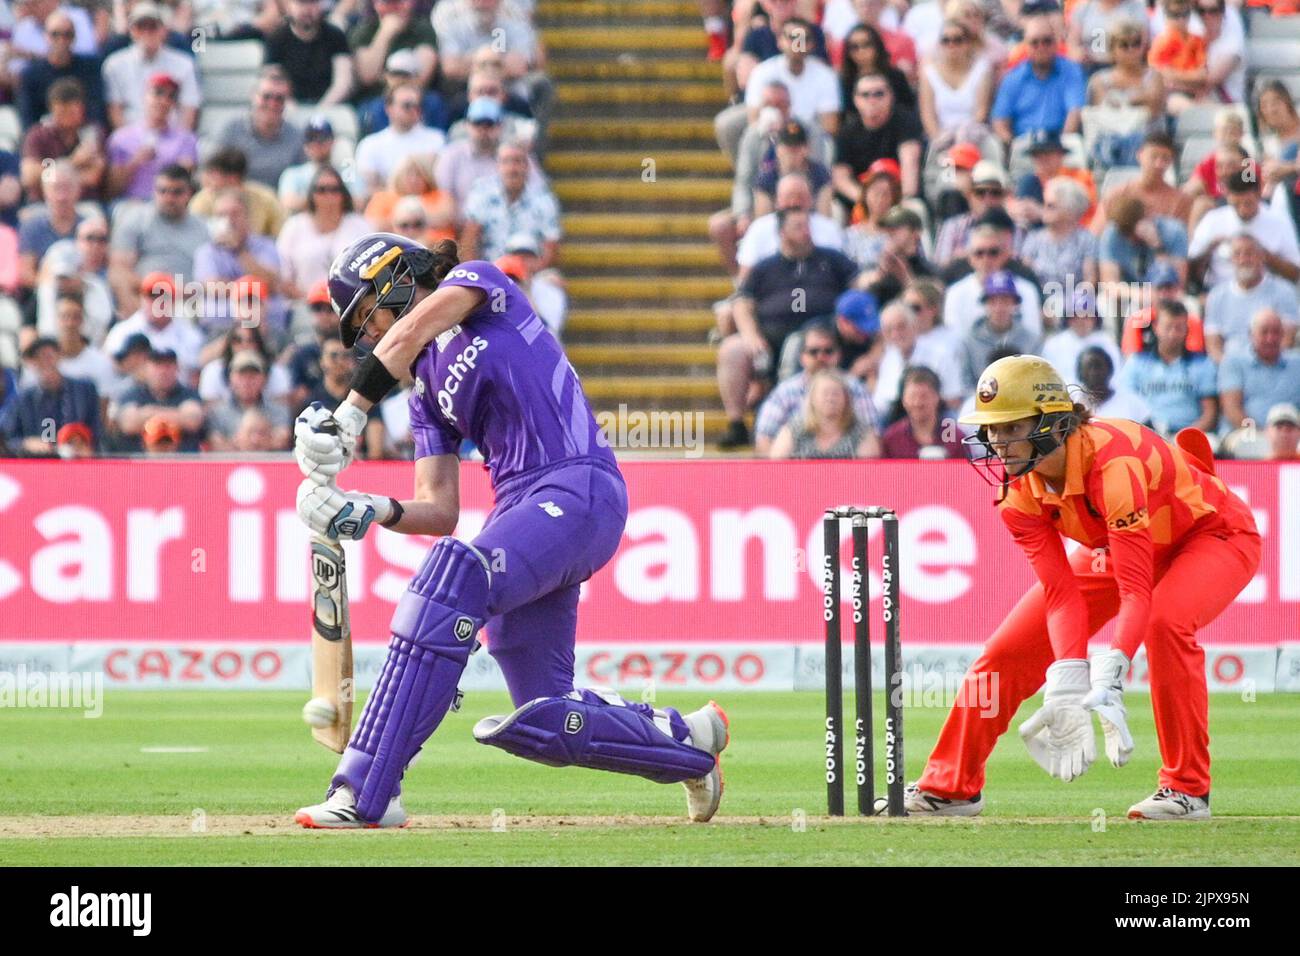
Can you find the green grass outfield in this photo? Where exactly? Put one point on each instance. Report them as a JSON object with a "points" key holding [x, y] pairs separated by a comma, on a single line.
{"points": [[82, 792]]}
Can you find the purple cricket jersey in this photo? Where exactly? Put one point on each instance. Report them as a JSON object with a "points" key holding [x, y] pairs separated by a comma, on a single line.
{"points": [[501, 380]]}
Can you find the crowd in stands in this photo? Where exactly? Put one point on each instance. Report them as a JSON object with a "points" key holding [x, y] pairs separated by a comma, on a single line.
{"points": [[923, 187], [164, 245]]}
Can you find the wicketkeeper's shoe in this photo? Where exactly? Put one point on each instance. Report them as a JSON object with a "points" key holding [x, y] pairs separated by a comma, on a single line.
{"points": [[918, 802], [1166, 804], [339, 812], [710, 732]]}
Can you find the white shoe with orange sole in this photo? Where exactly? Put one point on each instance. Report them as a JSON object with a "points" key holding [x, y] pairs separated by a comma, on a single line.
{"points": [[1166, 804], [710, 732], [339, 812]]}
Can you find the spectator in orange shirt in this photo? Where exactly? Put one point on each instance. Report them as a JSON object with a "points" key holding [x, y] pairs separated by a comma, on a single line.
{"points": [[1179, 56]]}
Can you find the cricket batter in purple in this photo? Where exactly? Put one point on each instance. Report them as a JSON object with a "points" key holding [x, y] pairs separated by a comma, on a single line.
{"points": [[485, 369]]}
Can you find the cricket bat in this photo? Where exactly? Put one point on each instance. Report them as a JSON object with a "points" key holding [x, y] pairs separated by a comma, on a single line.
{"points": [[331, 642]]}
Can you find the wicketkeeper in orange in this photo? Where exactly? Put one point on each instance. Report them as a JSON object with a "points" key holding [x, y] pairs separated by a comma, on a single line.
{"points": [[1165, 548]]}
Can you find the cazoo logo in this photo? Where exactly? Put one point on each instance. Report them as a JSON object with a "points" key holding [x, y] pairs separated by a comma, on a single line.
{"points": [[463, 274], [460, 366], [1129, 520]]}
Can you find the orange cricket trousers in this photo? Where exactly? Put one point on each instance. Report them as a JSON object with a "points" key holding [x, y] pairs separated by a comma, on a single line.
{"points": [[1193, 585]]}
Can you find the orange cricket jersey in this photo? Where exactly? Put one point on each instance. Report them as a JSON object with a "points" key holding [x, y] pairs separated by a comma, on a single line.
{"points": [[1126, 490], [1173, 52]]}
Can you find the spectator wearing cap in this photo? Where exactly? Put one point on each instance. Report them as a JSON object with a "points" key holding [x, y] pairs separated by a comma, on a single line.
{"points": [[337, 364], [904, 347], [1096, 372], [779, 295], [33, 85], [312, 238], [74, 267], [957, 85], [379, 153], [813, 86], [159, 319], [1179, 56], [877, 128], [227, 168], [1231, 305], [302, 358], [499, 207], [974, 187], [1179, 386], [1133, 240], [464, 162], [248, 378], [401, 68], [137, 151], [74, 440], [160, 402], [235, 252], [127, 72], [923, 426], [792, 156], [178, 25], [318, 146], [1047, 91], [857, 324], [1048, 155], [51, 402], [412, 178], [1062, 252], [1161, 284], [1155, 157], [161, 236], [1210, 246], [58, 220], [65, 135], [544, 287], [271, 143], [1254, 379], [999, 327], [464, 26], [314, 53], [130, 365], [880, 192], [386, 27], [761, 239], [990, 252], [78, 356], [1081, 330], [214, 380], [819, 350], [899, 260], [1284, 432]]}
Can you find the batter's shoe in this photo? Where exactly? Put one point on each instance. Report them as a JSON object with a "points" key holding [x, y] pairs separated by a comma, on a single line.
{"points": [[1166, 804], [919, 803], [339, 812], [710, 732]]}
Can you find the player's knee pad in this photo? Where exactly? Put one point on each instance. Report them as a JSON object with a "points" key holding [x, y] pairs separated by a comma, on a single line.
{"points": [[432, 637], [599, 731]]}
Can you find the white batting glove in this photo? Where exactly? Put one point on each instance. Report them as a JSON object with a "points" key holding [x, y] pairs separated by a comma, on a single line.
{"points": [[325, 441], [341, 515], [1059, 736], [1106, 700]]}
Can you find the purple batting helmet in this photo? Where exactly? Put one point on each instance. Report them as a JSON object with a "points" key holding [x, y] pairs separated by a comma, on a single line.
{"points": [[383, 263]]}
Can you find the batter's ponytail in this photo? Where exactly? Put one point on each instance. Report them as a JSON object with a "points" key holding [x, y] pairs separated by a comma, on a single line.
{"points": [[445, 256]]}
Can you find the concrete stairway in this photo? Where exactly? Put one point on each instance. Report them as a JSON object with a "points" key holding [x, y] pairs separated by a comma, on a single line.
{"points": [[637, 171]]}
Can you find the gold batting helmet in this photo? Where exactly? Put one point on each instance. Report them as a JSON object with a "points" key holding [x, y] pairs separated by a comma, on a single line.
{"points": [[1015, 387]]}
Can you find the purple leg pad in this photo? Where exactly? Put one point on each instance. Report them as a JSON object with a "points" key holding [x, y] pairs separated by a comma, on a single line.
{"points": [[602, 731], [433, 634]]}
